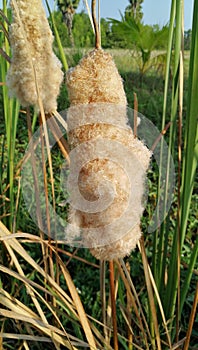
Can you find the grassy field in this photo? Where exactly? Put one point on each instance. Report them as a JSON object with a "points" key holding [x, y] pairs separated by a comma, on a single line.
{"points": [[126, 60]]}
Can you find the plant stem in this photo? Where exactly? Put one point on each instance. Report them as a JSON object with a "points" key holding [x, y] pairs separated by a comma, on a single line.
{"points": [[191, 321], [150, 296], [96, 27], [113, 305], [135, 114], [178, 194]]}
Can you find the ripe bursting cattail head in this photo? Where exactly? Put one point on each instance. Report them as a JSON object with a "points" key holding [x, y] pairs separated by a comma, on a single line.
{"points": [[105, 152], [34, 67], [96, 80]]}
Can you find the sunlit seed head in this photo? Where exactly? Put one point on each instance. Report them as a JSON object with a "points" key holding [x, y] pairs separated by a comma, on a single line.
{"points": [[34, 69]]}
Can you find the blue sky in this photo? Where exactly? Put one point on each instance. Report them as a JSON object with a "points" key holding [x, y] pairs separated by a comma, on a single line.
{"points": [[155, 11]]}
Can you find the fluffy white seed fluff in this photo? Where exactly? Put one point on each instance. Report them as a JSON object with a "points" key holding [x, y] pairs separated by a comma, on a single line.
{"points": [[34, 67], [97, 115]]}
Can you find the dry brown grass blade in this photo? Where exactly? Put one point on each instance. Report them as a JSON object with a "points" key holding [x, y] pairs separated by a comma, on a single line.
{"points": [[18, 336], [150, 294], [61, 120], [17, 307], [46, 136], [35, 294], [58, 135], [51, 331], [162, 133], [44, 178], [36, 187], [79, 307], [31, 291], [21, 273], [161, 308], [76, 299], [33, 238], [127, 320], [133, 302], [25, 346], [15, 245], [48, 255], [43, 125], [102, 340], [191, 320], [74, 256], [131, 345], [179, 344], [135, 295]]}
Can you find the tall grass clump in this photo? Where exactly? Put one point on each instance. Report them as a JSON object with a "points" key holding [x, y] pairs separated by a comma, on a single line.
{"points": [[10, 113], [172, 292], [53, 296]]}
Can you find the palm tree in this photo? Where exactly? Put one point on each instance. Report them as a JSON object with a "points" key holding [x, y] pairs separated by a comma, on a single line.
{"points": [[134, 10], [147, 42], [68, 7]]}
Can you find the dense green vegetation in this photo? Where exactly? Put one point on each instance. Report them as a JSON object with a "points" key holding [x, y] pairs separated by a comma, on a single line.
{"points": [[42, 282], [112, 36]]}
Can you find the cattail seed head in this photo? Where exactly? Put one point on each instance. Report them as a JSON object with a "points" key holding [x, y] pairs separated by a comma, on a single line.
{"points": [[97, 116], [34, 67], [95, 79]]}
